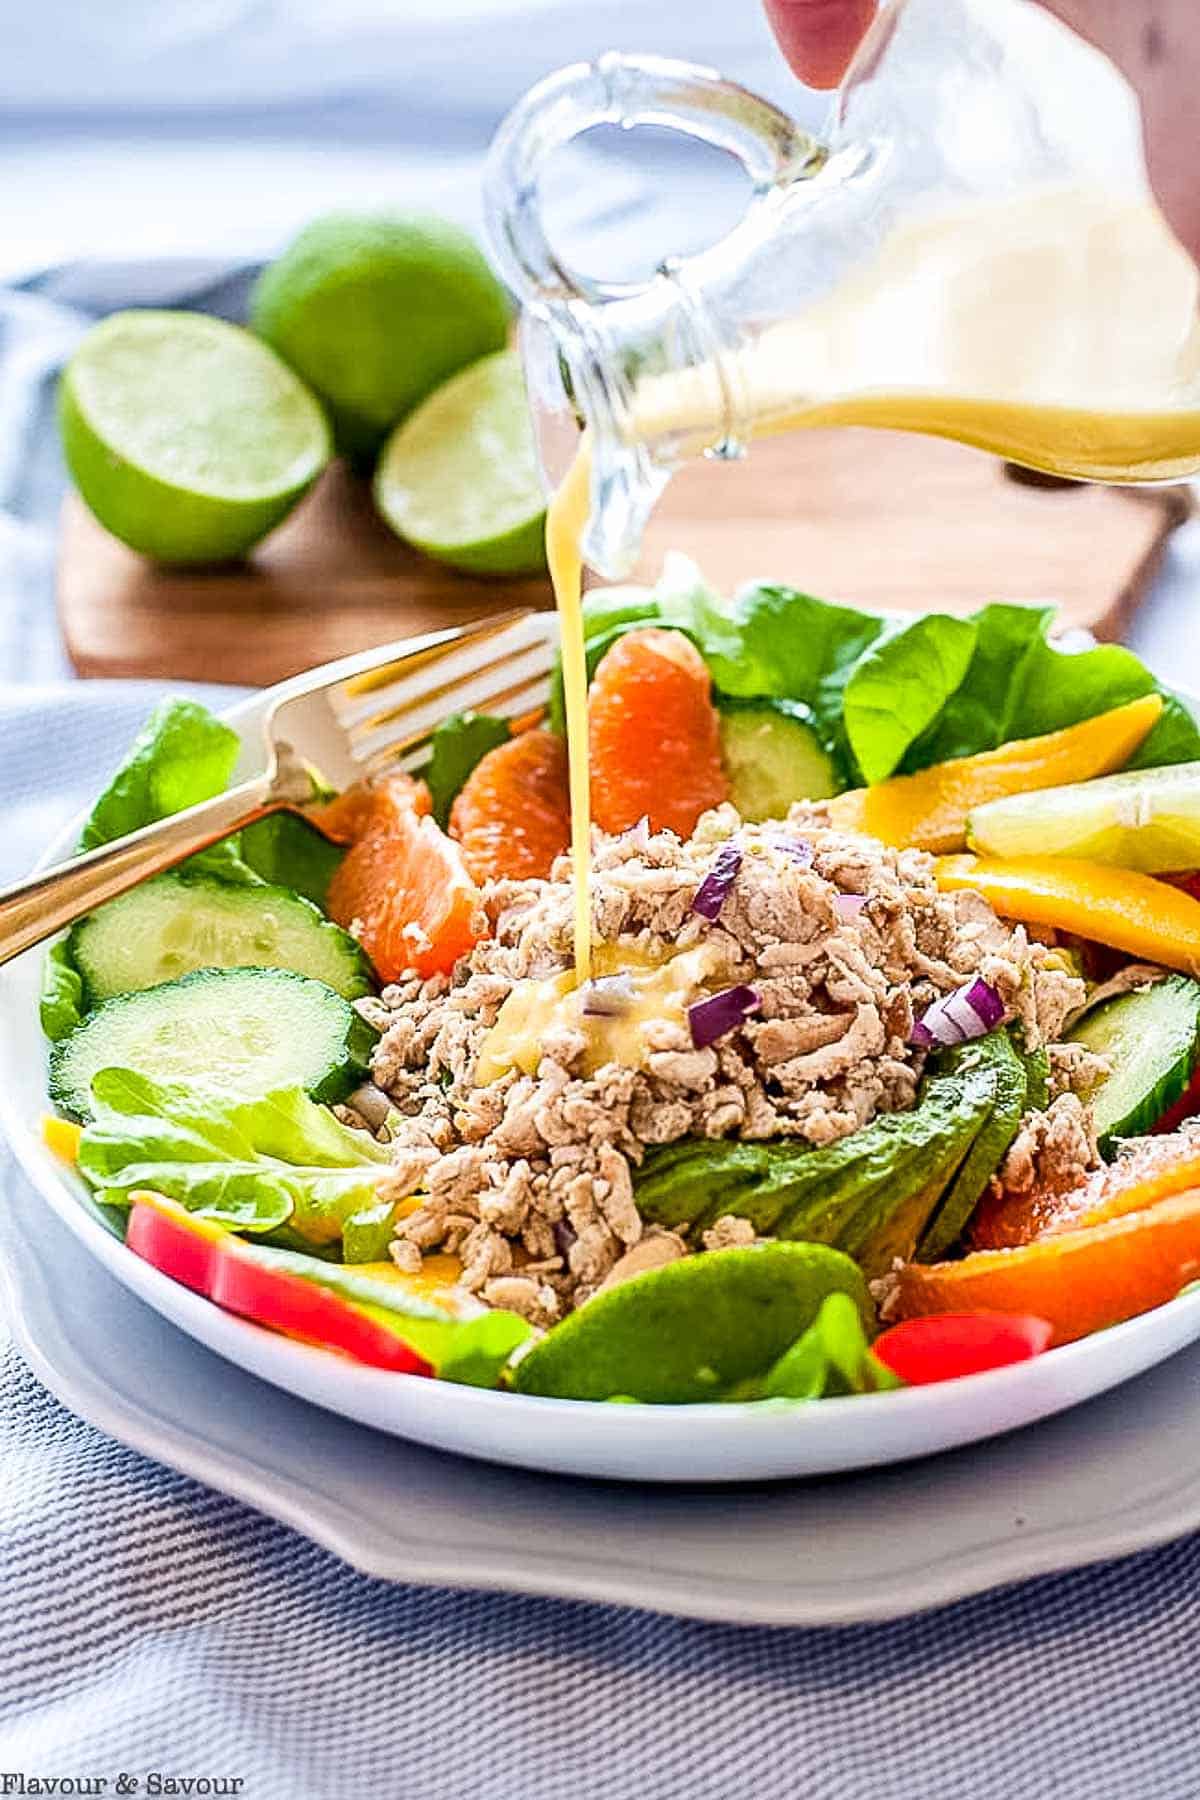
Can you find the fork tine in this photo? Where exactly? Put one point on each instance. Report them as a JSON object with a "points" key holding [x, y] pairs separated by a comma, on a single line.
{"points": [[508, 688], [441, 673], [386, 663]]}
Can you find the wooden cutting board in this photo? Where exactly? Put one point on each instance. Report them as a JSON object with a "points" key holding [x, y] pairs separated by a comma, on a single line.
{"points": [[878, 519]]}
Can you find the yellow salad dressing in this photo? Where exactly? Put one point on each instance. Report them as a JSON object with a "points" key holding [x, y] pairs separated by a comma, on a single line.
{"points": [[1058, 329], [565, 521], [652, 988]]}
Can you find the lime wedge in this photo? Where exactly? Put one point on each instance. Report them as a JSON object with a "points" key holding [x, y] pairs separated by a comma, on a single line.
{"points": [[188, 438], [459, 478], [1147, 819], [692, 1329]]}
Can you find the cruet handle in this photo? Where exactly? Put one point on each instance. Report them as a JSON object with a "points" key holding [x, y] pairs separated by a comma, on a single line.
{"points": [[624, 91]]}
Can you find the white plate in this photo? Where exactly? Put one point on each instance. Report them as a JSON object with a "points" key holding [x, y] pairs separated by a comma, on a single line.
{"points": [[1118, 1474], [697, 1443]]}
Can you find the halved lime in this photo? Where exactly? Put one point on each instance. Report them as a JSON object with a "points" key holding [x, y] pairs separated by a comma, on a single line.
{"points": [[459, 479], [188, 438], [1146, 819]]}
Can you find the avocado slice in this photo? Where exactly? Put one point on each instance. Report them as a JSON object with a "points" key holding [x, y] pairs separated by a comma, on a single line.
{"points": [[871, 1194], [1010, 1089], [691, 1330]]}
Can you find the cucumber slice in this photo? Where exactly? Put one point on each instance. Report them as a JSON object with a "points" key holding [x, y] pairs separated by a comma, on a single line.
{"points": [[247, 1030], [1151, 1039], [1146, 819], [170, 926], [772, 757]]}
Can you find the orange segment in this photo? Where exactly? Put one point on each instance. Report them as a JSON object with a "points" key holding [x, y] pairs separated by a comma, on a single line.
{"points": [[1139, 1178], [1080, 1280], [513, 814], [405, 890], [348, 814], [1136, 913], [653, 735], [928, 811]]}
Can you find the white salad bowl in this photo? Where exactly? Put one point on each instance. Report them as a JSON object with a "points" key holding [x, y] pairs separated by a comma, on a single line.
{"points": [[729, 1442]]}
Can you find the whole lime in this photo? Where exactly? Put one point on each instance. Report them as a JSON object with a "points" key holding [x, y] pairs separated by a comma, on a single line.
{"points": [[187, 437], [375, 310]]}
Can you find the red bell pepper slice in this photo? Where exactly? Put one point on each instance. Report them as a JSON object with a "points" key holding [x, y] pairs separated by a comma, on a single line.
{"points": [[947, 1345], [214, 1262]]}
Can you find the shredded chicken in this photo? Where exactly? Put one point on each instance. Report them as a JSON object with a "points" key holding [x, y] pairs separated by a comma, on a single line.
{"points": [[529, 1177], [1053, 1150]]}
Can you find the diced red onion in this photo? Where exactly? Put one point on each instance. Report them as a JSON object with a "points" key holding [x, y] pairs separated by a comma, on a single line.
{"points": [[799, 849], [971, 1011], [607, 997], [848, 906], [721, 1013], [714, 890]]}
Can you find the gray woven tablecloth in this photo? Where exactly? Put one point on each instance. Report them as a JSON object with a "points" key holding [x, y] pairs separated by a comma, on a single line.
{"points": [[147, 1624]]}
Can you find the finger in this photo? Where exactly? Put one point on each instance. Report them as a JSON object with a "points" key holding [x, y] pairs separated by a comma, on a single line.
{"points": [[819, 37]]}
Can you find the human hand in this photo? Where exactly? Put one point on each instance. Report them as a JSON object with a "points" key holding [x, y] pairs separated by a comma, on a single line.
{"points": [[1155, 44]]}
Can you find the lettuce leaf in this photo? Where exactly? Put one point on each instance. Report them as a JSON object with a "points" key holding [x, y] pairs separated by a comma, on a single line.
{"points": [[288, 852], [1018, 684], [458, 743], [183, 755], [253, 1165], [61, 1003], [831, 1357], [890, 693], [900, 685]]}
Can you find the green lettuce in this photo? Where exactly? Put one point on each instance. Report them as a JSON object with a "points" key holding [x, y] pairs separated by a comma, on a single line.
{"points": [[832, 1357], [252, 1165], [61, 1003], [457, 745], [183, 755], [1018, 684], [899, 686], [288, 852]]}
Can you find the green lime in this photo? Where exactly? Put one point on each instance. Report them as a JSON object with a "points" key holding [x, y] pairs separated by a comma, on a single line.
{"points": [[187, 437], [692, 1329], [375, 310], [459, 479]]}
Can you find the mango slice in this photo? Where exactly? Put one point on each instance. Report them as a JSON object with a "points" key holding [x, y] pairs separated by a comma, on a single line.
{"points": [[1148, 919], [928, 811]]}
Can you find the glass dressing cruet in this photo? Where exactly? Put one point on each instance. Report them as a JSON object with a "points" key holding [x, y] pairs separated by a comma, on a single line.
{"points": [[971, 249]]}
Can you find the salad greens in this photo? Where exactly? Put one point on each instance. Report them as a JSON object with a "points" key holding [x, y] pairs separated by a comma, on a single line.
{"points": [[832, 1357], [890, 694], [61, 1003], [458, 743], [284, 851], [252, 1165], [184, 755]]}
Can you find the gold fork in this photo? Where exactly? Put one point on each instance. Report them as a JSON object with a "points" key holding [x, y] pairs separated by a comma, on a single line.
{"points": [[343, 722]]}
